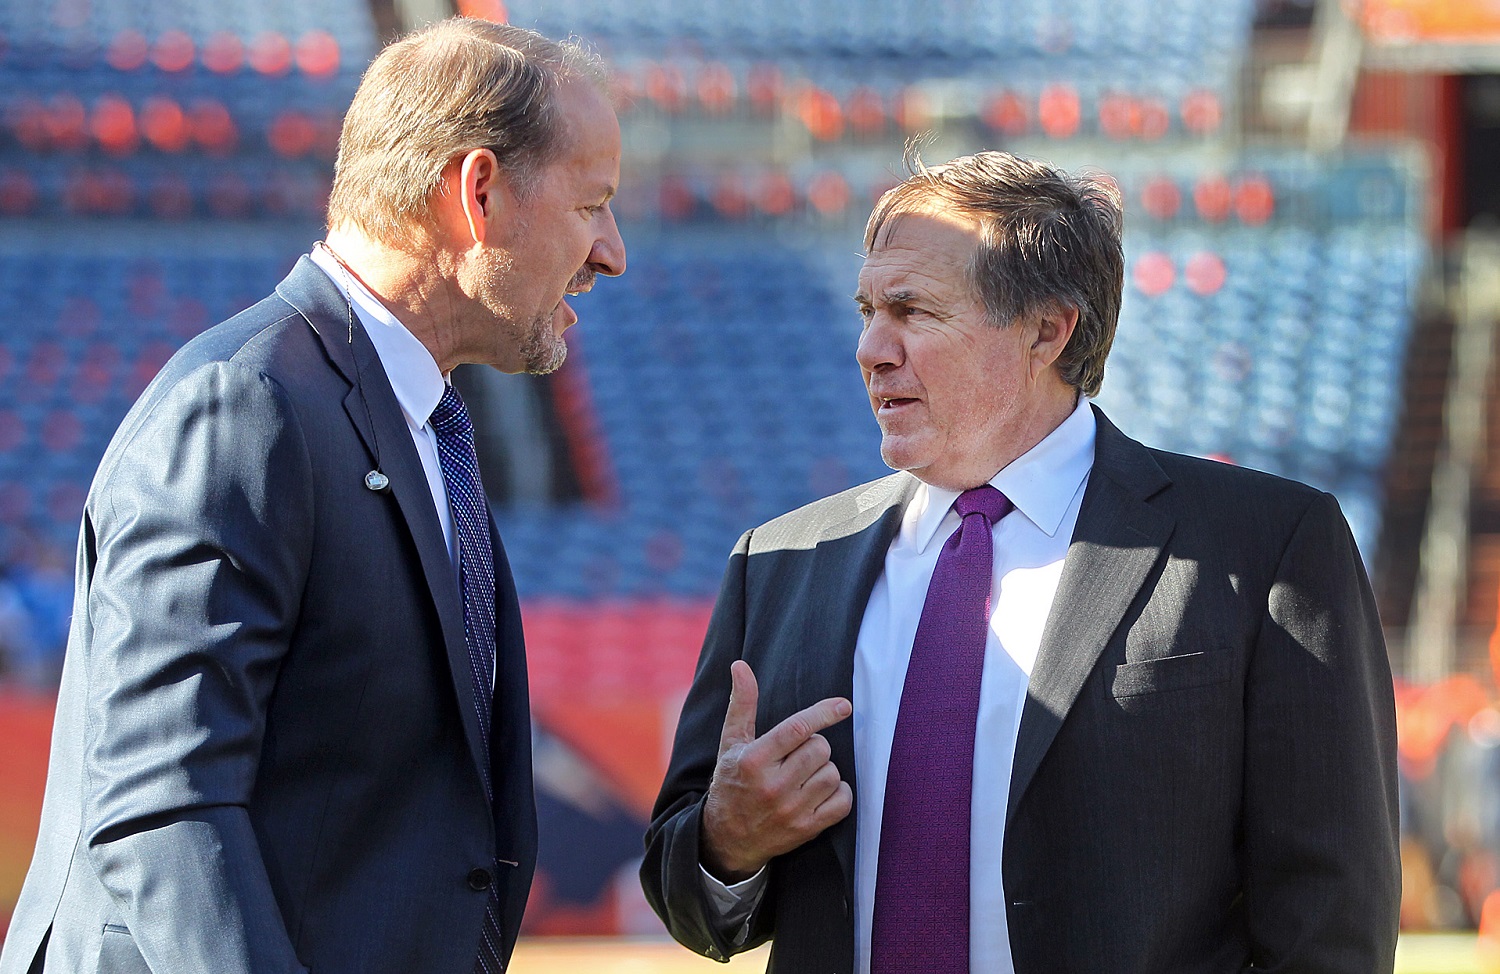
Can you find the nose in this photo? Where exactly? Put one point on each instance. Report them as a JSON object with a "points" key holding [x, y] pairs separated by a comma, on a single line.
{"points": [[608, 255], [879, 345]]}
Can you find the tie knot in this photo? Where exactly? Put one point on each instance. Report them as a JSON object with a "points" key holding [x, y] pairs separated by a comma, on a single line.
{"points": [[984, 500], [450, 417]]}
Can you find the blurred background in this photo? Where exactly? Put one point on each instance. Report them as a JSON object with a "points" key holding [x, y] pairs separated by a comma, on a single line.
{"points": [[1313, 286]]}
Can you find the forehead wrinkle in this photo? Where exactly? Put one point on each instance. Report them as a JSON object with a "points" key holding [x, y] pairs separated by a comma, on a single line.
{"points": [[908, 281]]}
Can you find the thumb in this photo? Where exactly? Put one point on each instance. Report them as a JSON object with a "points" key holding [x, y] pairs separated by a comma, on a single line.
{"points": [[739, 720]]}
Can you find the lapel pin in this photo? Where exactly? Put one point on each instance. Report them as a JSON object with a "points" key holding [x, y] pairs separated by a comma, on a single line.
{"points": [[377, 481]]}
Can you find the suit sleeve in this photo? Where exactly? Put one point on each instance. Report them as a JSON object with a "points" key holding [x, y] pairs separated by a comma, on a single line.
{"points": [[200, 541], [670, 873], [1323, 882]]}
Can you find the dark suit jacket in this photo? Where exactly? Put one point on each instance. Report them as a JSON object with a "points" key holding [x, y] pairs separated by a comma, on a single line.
{"points": [[266, 755], [1204, 777]]}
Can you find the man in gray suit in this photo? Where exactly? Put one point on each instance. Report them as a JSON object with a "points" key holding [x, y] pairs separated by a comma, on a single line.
{"points": [[293, 728], [1114, 709]]}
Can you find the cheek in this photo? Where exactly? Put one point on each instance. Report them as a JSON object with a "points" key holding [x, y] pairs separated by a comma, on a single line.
{"points": [[572, 246], [985, 398]]}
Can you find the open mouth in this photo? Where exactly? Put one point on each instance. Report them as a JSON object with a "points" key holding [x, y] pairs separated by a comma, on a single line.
{"points": [[582, 283], [895, 402]]}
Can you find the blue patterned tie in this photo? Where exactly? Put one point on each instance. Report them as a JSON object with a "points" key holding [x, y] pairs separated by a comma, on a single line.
{"points": [[476, 573]]}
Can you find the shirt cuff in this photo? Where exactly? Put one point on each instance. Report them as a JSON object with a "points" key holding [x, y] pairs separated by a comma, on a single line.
{"points": [[734, 905]]}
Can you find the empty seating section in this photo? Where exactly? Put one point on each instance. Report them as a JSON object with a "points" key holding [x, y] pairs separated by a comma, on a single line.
{"points": [[722, 371], [1268, 297], [722, 376], [1128, 70], [81, 338], [1195, 32], [1267, 313], [174, 110], [1278, 349], [181, 117], [72, 29]]}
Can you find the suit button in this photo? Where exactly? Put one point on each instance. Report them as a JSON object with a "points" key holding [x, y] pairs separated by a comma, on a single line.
{"points": [[479, 880]]}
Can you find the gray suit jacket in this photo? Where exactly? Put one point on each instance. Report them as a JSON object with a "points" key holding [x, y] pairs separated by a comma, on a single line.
{"points": [[266, 755], [1204, 777]]}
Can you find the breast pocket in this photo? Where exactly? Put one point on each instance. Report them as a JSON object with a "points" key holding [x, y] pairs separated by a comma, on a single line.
{"points": [[1139, 686], [118, 953]]}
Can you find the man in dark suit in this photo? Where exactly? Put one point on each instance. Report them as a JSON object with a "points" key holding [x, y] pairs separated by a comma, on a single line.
{"points": [[293, 728], [1133, 715]]}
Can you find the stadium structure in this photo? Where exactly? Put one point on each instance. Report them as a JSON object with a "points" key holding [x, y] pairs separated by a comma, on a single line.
{"points": [[1311, 290]]}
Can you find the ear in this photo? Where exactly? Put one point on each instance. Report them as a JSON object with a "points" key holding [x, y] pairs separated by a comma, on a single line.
{"points": [[475, 187], [1054, 328]]}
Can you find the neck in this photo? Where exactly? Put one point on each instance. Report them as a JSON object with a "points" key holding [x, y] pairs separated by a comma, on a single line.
{"points": [[415, 286], [1052, 410], [1025, 430]]}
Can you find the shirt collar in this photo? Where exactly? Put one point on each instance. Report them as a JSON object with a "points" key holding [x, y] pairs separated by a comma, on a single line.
{"points": [[1040, 482], [410, 367]]}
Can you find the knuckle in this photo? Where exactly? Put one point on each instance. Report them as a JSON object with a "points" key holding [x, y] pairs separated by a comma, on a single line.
{"points": [[749, 757]]}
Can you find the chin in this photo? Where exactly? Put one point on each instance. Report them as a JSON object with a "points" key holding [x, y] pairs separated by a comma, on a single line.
{"points": [[549, 360], [901, 456]]}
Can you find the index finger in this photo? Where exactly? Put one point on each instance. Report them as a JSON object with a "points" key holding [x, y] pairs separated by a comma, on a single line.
{"points": [[790, 734]]}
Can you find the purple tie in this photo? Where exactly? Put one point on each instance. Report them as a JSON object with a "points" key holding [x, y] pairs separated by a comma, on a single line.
{"points": [[921, 922], [476, 574]]}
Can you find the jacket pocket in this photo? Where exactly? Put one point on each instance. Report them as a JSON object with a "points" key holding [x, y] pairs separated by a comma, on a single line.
{"points": [[1171, 673], [118, 953]]}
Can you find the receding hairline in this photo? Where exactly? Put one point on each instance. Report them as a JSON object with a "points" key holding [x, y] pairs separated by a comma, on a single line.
{"points": [[892, 214], [444, 90], [569, 58]]}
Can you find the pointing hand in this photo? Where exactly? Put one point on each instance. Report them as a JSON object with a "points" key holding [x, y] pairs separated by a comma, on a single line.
{"points": [[772, 793]]}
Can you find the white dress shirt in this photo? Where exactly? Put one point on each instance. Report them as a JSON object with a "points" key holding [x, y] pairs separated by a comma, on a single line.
{"points": [[1046, 485], [413, 374]]}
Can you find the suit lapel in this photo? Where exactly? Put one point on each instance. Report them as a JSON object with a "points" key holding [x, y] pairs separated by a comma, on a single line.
{"points": [[372, 409], [848, 559], [1117, 540]]}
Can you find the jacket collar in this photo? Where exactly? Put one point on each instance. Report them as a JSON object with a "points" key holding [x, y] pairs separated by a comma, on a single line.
{"points": [[1119, 536], [371, 407]]}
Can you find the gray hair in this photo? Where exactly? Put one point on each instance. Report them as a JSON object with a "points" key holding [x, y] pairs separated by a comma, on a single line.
{"points": [[1048, 239]]}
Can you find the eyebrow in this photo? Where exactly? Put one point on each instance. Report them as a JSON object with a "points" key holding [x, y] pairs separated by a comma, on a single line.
{"points": [[896, 296]]}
